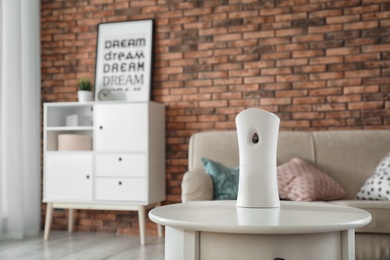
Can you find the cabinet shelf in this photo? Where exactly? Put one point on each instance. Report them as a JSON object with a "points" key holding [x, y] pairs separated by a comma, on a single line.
{"points": [[69, 128]]}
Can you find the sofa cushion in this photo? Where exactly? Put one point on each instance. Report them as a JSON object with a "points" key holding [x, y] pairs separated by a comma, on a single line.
{"points": [[299, 180], [225, 179], [379, 210], [196, 185], [377, 187]]}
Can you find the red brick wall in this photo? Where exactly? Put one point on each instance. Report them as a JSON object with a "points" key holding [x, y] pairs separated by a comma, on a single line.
{"points": [[317, 64]]}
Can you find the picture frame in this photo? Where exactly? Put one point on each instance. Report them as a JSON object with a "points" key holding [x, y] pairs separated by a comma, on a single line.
{"points": [[124, 61]]}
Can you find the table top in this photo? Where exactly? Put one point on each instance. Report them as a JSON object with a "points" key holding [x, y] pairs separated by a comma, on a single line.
{"points": [[290, 218]]}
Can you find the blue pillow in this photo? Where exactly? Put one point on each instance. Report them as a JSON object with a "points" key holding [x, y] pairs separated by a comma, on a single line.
{"points": [[225, 179]]}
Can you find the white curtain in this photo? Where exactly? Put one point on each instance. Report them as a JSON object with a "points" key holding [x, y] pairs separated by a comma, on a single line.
{"points": [[19, 118]]}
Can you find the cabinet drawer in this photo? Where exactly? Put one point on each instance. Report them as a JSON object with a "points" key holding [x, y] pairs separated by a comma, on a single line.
{"points": [[121, 189], [120, 165]]}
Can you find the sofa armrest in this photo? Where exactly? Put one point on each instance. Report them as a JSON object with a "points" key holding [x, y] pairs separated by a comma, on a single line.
{"points": [[196, 185]]}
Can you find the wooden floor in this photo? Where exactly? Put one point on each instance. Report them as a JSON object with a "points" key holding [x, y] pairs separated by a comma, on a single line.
{"points": [[62, 245]]}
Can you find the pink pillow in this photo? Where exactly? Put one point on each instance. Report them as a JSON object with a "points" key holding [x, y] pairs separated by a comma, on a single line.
{"points": [[299, 180]]}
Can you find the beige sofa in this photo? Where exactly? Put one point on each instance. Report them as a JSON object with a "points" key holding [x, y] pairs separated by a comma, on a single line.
{"points": [[349, 157]]}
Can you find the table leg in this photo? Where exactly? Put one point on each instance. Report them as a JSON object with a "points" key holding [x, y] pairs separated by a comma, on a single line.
{"points": [[48, 219], [159, 227], [181, 244], [348, 244], [141, 223], [70, 220]]}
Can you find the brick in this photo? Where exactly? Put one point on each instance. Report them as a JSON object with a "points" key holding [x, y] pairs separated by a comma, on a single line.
{"points": [[242, 14], [308, 100], [289, 17], [342, 51], [244, 28], [275, 101], [227, 66], [213, 31], [361, 25], [307, 53], [274, 41], [214, 74], [291, 93], [259, 64], [326, 13], [292, 47], [362, 57], [244, 73], [289, 32], [344, 82], [230, 51], [295, 124], [328, 122], [227, 37], [310, 69], [329, 107], [292, 62], [325, 28], [344, 99], [244, 58], [362, 73], [376, 48], [342, 114], [366, 105], [308, 115], [212, 45], [261, 79], [259, 34], [276, 55], [197, 11], [376, 15], [326, 75], [345, 66], [291, 78], [197, 54], [276, 71], [360, 89], [213, 60], [308, 38], [343, 19], [326, 60]]}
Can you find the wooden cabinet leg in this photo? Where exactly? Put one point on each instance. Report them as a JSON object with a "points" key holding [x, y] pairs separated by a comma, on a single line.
{"points": [[70, 220], [49, 216], [159, 227], [141, 223]]}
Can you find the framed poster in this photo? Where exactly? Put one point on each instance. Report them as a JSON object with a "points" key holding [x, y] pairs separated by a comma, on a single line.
{"points": [[124, 61]]}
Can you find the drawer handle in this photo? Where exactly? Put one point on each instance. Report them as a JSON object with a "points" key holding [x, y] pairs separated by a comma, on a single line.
{"points": [[119, 182], [120, 159], [101, 127], [87, 176]]}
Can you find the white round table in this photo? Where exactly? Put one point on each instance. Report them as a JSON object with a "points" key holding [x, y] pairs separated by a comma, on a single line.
{"points": [[297, 230]]}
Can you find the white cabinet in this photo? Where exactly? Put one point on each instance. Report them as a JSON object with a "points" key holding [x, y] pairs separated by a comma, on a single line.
{"points": [[124, 170]]}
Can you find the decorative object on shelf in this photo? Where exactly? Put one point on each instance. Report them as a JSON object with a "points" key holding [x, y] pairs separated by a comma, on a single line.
{"points": [[74, 142], [78, 120], [85, 90], [105, 94], [257, 133], [124, 61]]}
